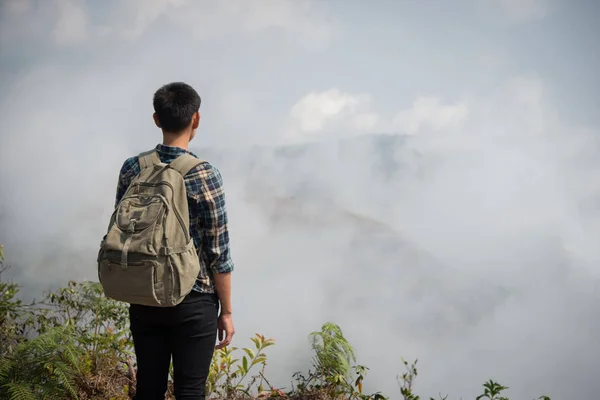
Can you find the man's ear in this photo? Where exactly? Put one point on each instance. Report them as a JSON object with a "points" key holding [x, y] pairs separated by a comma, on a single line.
{"points": [[196, 120], [156, 122]]}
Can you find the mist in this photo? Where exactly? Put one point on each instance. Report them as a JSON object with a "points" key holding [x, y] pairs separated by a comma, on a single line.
{"points": [[440, 206]]}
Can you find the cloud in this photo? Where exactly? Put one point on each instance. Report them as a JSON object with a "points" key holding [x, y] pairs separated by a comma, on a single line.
{"points": [[300, 21], [16, 7], [430, 112], [20, 20], [72, 24], [332, 110], [133, 18], [308, 21], [523, 10], [497, 199]]}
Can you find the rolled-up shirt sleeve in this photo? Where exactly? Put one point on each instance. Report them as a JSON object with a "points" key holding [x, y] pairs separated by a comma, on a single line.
{"points": [[129, 170], [212, 221]]}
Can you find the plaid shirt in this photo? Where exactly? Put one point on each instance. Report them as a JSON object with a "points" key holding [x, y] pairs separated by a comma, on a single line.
{"points": [[208, 216]]}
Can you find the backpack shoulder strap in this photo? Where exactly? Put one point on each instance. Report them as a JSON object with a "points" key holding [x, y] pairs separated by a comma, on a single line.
{"points": [[185, 163], [148, 159]]}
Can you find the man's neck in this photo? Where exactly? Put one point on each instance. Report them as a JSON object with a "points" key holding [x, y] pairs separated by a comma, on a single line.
{"points": [[176, 141]]}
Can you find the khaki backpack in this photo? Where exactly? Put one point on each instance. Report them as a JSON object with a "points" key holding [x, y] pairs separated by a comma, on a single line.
{"points": [[148, 257]]}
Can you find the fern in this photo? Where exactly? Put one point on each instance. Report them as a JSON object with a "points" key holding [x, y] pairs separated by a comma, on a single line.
{"points": [[19, 391], [333, 353], [5, 365], [43, 367]]}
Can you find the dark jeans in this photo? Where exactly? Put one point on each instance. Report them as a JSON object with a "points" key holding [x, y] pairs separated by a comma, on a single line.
{"points": [[187, 332]]}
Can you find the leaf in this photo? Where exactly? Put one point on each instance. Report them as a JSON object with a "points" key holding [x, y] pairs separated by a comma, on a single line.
{"points": [[259, 360], [245, 364], [249, 352]]}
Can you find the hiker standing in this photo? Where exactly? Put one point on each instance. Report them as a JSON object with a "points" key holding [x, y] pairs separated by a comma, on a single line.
{"points": [[167, 254]]}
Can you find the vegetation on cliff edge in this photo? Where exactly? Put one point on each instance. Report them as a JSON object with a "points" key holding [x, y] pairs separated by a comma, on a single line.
{"points": [[75, 344]]}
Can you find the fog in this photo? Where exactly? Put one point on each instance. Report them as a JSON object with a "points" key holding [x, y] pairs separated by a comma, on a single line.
{"points": [[452, 217]]}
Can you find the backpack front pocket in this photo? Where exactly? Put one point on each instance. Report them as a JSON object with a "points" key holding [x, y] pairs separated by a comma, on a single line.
{"points": [[136, 283]]}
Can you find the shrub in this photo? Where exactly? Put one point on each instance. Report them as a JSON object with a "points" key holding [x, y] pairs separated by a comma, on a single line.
{"points": [[230, 377]]}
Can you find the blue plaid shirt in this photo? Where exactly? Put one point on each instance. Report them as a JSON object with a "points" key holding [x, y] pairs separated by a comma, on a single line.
{"points": [[208, 216]]}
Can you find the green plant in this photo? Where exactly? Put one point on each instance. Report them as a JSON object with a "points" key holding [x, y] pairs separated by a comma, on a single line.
{"points": [[100, 326], [12, 313], [227, 373], [75, 344], [356, 391], [333, 353], [493, 390], [406, 380], [45, 367], [330, 374]]}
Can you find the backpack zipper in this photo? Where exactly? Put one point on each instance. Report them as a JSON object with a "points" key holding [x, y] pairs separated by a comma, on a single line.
{"points": [[181, 223]]}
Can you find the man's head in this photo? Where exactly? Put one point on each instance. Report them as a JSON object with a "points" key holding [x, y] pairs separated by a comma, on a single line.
{"points": [[176, 110]]}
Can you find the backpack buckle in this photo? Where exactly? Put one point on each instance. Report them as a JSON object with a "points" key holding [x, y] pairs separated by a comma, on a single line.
{"points": [[131, 226]]}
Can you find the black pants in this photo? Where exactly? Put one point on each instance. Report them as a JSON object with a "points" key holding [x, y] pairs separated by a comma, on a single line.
{"points": [[186, 332]]}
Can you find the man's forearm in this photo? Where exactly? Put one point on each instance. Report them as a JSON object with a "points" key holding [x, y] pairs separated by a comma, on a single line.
{"points": [[223, 287]]}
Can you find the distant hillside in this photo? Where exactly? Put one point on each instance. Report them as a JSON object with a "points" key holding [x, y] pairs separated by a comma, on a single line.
{"points": [[380, 266]]}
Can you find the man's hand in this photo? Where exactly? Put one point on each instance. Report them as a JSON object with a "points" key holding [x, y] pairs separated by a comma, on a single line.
{"points": [[223, 288], [225, 324]]}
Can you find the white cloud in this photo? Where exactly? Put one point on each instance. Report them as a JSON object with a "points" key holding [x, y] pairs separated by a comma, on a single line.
{"points": [[332, 110], [305, 21], [308, 20], [72, 25], [20, 19], [133, 18], [524, 10], [430, 112], [527, 111], [15, 7], [527, 91], [341, 113]]}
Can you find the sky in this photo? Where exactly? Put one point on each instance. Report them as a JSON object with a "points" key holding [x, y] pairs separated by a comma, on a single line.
{"points": [[424, 174]]}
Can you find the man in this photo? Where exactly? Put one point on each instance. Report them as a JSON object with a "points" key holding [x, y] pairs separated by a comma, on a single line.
{"points": [[188, 331]]}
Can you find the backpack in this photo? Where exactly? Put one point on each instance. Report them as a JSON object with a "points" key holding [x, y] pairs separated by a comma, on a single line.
{"points": [[147, 256]]}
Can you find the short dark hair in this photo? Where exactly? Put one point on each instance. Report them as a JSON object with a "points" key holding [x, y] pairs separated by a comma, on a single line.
{"points": [[175, 103]]}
